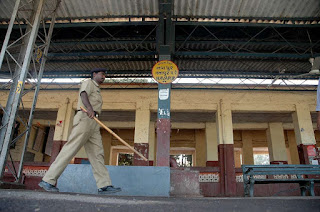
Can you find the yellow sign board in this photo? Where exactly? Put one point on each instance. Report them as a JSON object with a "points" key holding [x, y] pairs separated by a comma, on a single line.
{"points": [[165, 71], [39, 55], [19, 87]]}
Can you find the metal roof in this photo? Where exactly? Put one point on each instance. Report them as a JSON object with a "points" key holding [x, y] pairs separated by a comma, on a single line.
{"points": [[231, 38], [248, 8], [273, 9]]}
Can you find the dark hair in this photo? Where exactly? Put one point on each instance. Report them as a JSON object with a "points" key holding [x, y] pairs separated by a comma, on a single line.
{"points": [[97, 70]]}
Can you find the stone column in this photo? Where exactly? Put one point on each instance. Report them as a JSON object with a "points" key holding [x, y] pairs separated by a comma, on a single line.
{"points": [[226, 149], [141, 133], [63, 128], [293, 148], [304, 133], [276, 144], [201, 150], [247, 148], [212, 144]]}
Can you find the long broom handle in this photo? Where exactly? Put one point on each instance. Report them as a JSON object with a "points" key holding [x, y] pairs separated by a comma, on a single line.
{"points": [[115, 135]]}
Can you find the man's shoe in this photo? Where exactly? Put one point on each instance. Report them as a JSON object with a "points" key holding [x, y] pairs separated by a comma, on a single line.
{"points": [[48, 187], [108, 190]]}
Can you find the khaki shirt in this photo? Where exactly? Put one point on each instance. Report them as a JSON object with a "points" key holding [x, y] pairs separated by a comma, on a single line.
{"points": [[93, 91]]}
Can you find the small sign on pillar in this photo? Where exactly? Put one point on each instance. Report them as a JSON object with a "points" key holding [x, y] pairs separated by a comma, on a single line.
{"points": [[164, 72]]}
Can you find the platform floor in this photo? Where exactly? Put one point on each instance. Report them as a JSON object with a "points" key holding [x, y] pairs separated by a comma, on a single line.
{"points": [[24, 200]]}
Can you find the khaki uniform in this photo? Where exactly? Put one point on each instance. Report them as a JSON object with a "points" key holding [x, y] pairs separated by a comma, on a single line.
{"points": [[85, 132]]}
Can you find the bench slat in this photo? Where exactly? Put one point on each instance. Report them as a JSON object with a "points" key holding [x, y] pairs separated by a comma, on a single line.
{"points": [[267, 181]]}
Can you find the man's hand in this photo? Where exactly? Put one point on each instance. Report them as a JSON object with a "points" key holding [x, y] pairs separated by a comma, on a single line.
{"points": [[85, 101], [318, 121], [90, 113]]}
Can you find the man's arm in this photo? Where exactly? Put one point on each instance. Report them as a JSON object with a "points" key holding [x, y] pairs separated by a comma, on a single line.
{"points": [[86, 102]]}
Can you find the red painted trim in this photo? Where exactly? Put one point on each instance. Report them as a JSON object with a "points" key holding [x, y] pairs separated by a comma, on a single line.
{"points": [[80, 160], [279, 162], [212, 163], [163, 142], [143, 148], [222, 168], [150, 162], [228, 185], [56, 148], [303, 153]]}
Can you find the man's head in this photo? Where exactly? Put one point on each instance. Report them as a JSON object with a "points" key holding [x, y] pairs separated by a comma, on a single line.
{"points": [[98, 75]]}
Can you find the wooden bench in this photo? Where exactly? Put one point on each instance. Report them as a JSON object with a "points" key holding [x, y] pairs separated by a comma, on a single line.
{"points": [[305, 175]]}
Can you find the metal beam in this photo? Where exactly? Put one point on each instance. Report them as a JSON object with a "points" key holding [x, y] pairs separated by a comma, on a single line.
{"points": [[187, 53], [126, 59], [252, 18], [89, 54], [233, 24], [35, 97], [21, 76], [5, 119], [7, 37], [85, 24], [214, 73], [100, 42], [245, 54], [180, 41]]}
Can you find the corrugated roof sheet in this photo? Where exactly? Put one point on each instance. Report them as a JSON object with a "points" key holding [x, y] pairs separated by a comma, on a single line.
{"points": [[274, 9], [139, 64], [248, 8]]}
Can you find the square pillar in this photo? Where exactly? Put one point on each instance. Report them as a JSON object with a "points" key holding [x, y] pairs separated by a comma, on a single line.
{"points": [[293, 148], [276, 144], [247, 148], [201, 148], [212, 144], [141, 133], [226, 149], [237, 159], [304, 133], [63, 128]]}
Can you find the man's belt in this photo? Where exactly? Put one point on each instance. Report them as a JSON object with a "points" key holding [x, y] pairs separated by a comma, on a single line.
{"points": [[96, 114]]}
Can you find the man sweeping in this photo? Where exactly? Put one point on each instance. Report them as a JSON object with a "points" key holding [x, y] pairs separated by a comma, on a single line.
{"points": [[85, 132]]}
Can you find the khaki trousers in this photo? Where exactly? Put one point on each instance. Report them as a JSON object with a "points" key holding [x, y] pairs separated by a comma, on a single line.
{"points": [[85, 132]]}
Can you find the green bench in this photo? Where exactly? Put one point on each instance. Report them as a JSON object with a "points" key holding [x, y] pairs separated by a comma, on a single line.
{"points": [[305, 175]]}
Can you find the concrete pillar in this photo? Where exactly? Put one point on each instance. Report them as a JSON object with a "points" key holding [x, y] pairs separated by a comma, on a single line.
{"points": [[247, 148], [63, 128], [224, 123], [226, 149], [201, 150], [293, 148], [152, 140], [212, 144], [304, 133], [141, 133], [106, 142], [276, 144], [237, 159]]}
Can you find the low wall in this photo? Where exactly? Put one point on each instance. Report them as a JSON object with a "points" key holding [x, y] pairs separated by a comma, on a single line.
{"points": [[133, 180], [149, 181]]}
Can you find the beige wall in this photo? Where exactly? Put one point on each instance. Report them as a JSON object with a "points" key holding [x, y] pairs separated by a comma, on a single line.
{"points": [[181, 100], [183, 134]]}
